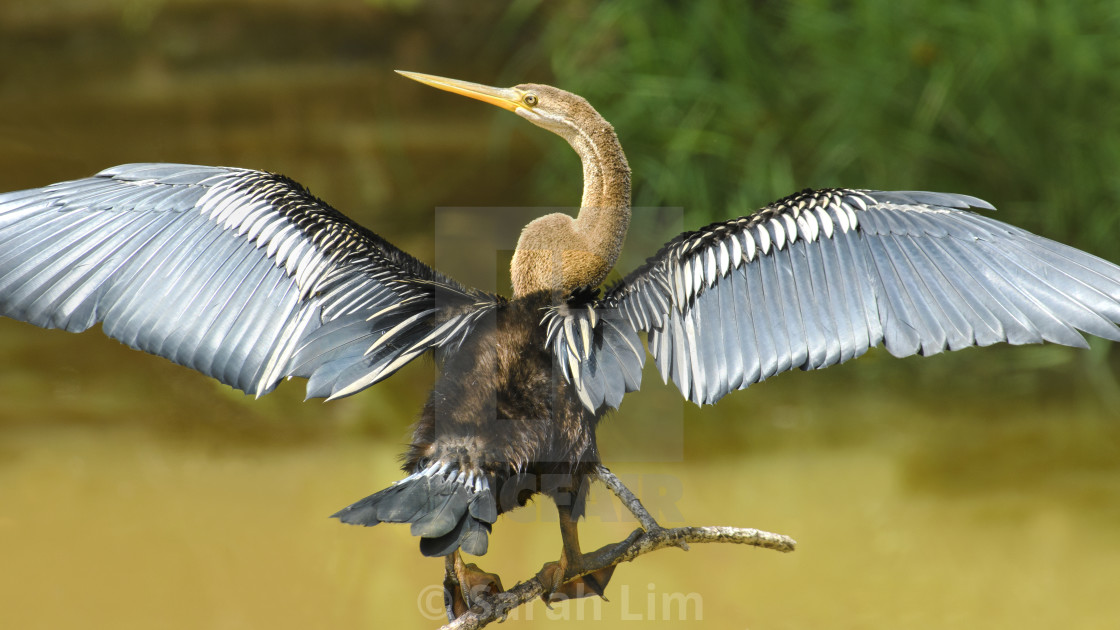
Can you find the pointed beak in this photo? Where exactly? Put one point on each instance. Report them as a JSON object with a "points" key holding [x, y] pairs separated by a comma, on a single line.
{"points": [[506, 98]]}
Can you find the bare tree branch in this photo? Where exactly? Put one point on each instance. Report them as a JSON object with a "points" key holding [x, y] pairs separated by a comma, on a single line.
{"points": [[627, 498], [642, 541]]}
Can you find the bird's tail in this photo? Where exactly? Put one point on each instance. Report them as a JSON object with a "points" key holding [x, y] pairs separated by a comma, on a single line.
{"points": [[448, 508]]}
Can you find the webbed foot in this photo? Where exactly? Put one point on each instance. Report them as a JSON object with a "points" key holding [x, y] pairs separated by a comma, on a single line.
{"points": [[464, 584], [563, 580]]}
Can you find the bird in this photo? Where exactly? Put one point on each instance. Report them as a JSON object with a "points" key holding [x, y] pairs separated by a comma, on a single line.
{"points": [[247, 277]]}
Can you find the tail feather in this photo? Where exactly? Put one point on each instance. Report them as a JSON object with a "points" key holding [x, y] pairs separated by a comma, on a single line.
{"points": [[448, 508], [469, 534], [476, 537], [483, 507], [363, 512], [409, 502]]}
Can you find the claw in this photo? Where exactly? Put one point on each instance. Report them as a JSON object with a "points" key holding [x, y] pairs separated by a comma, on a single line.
{"points": [[464, 584], [558, 579], [578, 574], [551, 577], [593, 583]]}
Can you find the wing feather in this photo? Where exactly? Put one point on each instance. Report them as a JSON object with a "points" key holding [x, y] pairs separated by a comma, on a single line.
{"points": [[242, 275], [820, 277]]}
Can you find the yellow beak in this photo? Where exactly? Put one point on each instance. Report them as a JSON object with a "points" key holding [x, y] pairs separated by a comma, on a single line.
{"points": [[506, 98]]}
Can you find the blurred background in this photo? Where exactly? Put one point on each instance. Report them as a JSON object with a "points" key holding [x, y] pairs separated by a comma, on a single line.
{"points": [[976, 489]]}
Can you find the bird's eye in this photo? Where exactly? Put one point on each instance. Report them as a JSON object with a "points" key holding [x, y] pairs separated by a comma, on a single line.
{"points": [[530, 100]]}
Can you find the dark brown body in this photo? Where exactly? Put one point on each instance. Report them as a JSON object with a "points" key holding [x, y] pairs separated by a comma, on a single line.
{"points": [[499, 407], [502, 423]]}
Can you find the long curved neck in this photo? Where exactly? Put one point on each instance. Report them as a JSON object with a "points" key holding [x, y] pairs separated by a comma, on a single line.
{"points": [[604, 215], [560, 254]]}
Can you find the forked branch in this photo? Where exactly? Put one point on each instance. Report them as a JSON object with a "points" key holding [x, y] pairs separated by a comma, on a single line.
{"points": [[642, 541]]}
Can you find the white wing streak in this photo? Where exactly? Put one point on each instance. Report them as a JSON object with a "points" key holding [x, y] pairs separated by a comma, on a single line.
{"points": [[821, 276], [242, 275]]}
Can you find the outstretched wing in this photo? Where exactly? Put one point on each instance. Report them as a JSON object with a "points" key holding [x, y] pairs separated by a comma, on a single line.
{"points": [[819, 277], [239, 274]]}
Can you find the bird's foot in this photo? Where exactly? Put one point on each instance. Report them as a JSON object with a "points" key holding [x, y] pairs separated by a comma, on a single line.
{"points": [[558, 586], [582, 575], [465, 584]]}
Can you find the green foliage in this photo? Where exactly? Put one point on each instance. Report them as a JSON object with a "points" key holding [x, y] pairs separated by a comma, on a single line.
{"points": [[724, 106]]}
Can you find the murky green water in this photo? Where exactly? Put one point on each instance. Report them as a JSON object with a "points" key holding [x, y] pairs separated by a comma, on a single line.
{"points": [[111, 526], [979, 490]]}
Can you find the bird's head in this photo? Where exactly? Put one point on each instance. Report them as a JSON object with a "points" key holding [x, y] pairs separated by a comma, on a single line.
{"points": [[556, 252], [560, 112]]}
